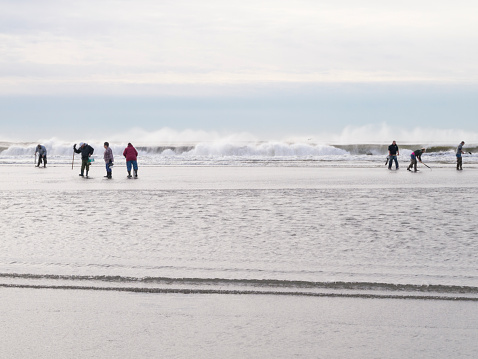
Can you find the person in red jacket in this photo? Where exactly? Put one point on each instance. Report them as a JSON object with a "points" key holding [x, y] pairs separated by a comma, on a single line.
{"points": [[131, 160]]}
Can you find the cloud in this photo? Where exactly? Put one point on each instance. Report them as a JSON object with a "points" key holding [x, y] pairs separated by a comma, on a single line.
{"points": [[62, 45], [168, 136], [383, 133]]}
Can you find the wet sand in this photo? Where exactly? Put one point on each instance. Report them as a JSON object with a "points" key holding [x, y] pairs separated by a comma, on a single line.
{"points": [[59, 323], [63, 178], [82, 324]]}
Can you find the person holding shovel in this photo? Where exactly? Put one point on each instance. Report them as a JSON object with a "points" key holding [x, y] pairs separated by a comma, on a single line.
{"points": [[417, 154]]}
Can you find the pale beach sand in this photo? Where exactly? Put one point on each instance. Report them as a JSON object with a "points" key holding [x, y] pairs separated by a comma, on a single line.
{"points": [[84, 324], [291, 230]]}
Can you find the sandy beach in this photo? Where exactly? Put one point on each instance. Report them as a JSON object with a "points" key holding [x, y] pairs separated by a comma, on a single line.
{"points": [[82, 324], [273, 215], [216, 262]]}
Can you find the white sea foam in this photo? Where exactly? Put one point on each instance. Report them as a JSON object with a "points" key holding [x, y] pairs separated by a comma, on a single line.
{"points": [[167, 146]]}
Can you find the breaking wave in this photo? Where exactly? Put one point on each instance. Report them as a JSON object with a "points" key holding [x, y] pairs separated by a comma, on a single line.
{"points": [[228, 152]]}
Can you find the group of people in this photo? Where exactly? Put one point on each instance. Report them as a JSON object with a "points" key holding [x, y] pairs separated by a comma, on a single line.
{"points": [[416, 157], [131, 156], [86, 151], [129, 153]]}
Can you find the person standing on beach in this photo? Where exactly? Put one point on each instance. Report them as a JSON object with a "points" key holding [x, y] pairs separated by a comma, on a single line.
{"points": [[41, 155], [459, 159], [108, 157], [413, 158], [131, 160], [392, 155], [86, 151]]}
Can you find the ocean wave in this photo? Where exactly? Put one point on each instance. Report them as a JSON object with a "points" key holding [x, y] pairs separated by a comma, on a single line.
{"points": [[225, 152], [220, 148], [224, 148]]}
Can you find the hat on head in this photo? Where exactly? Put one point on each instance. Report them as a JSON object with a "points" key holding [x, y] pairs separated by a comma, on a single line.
{"points": [[81, 144]]}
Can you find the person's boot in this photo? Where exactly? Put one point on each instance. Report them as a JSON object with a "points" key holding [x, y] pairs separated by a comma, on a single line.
{"points": [[107, 175], [110, 175], [135, 173], [129, 174], [81, 174]]}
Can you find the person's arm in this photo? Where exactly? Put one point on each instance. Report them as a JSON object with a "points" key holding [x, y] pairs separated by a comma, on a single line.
{"points": [[91, 151], [76, 150], [398, 151]]}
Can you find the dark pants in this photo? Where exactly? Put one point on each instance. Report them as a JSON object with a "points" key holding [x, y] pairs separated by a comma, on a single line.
{"points": [[108, 168], [459, 163], [40, 158], [392, 158], [85, 164], [413, 162]]}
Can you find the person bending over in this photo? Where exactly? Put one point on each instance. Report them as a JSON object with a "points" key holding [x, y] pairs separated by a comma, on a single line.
{"points": [[41, 155], [417, 154]]}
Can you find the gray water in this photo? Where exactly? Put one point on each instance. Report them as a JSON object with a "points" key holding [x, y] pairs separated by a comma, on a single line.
{"points": [[227, 262], [352, 231]]}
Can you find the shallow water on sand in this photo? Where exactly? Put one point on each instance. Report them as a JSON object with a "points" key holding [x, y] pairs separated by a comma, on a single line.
{"points": [[216, 262], [281, 227]]}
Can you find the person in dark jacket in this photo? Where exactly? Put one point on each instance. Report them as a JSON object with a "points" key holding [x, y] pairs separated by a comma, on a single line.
{"points": [[86, 151], [413, 158], [459, 159], [109, 159], [392, 155], [41, 155], [131, 160]]}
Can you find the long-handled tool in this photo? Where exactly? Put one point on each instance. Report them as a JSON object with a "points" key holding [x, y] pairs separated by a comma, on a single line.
{"points": [[426, 166], [73, 160]]}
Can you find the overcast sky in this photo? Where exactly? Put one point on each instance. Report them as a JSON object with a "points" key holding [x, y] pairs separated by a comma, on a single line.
{"points": [[269, 68]]}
